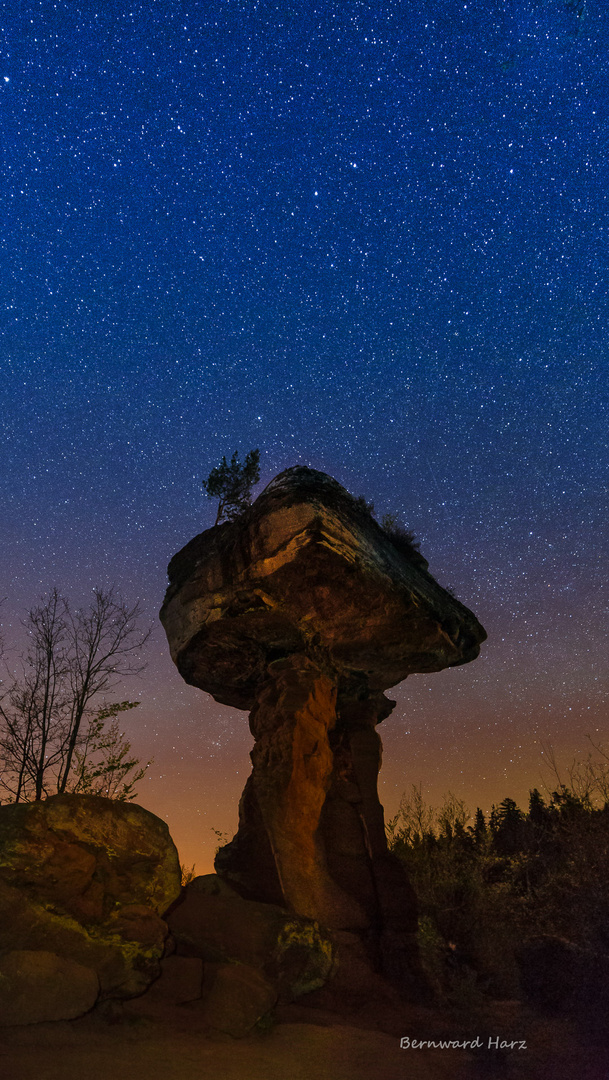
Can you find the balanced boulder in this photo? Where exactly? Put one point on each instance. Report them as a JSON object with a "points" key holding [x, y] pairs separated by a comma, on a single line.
{"points": [[304, 611]]}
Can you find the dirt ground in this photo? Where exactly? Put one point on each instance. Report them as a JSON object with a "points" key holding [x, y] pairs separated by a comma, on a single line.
{"points": [[140, 1043]]}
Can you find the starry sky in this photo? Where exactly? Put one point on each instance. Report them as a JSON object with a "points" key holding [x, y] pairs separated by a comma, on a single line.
{"points": [[367, 237]]}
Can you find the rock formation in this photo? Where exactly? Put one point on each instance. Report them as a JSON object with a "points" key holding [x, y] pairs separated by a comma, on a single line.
{"points": [[249, 955], [303, 611], [83, 883]]}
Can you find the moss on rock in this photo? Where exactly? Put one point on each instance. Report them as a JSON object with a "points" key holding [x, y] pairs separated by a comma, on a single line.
{"points": [[88, 879]]}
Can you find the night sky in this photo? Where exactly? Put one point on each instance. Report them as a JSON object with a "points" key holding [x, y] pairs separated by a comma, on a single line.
{"points": [[367, 237]]}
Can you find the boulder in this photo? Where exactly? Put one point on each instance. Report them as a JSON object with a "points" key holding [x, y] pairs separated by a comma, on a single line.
{"points": [[211, 921], [38, 985], [87, 879], [180, 982], [307, 570], [304, 611], [236, 997]]}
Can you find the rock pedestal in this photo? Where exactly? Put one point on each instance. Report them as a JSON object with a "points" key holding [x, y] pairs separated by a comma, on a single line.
{"points": [[304, 611]]}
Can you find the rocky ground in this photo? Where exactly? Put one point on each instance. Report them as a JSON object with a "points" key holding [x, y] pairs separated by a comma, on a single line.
{"points": [[147, 1040]]}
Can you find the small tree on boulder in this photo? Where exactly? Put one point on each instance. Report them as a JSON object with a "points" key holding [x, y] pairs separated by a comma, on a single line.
{"points": [[231, 483]]}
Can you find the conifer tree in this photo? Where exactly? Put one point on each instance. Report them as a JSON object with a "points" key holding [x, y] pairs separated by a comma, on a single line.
{"points": [[231, 483]]}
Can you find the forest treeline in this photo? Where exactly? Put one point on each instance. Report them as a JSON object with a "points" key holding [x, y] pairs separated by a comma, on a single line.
{"points": [[489, 883]]}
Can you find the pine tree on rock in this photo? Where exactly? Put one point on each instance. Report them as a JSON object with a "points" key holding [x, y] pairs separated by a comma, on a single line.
{"points": [[231, 483]]}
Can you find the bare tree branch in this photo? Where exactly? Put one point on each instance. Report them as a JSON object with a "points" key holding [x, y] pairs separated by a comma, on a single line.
{"points": [[72, 660]]}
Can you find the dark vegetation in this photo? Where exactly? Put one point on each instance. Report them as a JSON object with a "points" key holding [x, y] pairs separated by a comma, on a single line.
{"points": [[486, 886], [231, 483], [403, 539]]}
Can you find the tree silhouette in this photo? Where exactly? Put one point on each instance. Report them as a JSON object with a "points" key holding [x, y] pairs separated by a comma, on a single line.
{"points": [[51, 716], [506, 824], [479, 830], [231, 483]]}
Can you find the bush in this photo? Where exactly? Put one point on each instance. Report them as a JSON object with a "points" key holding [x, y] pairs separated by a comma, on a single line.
{"points": [[484, 888]]}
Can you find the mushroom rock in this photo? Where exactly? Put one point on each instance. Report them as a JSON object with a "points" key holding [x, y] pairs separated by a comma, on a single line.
{"points": [[304, 610]]}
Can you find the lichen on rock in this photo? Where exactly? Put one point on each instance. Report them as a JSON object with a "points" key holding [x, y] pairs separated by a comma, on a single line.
{"points": [[87, 879], [213, 922]]}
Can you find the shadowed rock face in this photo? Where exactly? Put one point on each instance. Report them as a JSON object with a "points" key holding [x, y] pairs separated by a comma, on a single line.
{"points": [[304, 611]]}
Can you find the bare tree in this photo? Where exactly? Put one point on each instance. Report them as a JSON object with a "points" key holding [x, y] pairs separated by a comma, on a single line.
{"points": [[586, 778], [34, 705], [45, 713], [414, 819]]}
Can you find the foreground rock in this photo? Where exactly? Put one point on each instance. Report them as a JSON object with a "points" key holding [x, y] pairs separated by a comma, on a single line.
{"points": [[83, 883], [304, 611], [39, 986], [235, 959], [211, 921]]}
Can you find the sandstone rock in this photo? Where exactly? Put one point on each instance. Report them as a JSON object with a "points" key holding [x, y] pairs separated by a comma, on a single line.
{"points": [[181, 980], [213, 922], [235, 998], [354, 984], [305, 570], [40, 986], [292, 772], [304, 611], [88, 878]]}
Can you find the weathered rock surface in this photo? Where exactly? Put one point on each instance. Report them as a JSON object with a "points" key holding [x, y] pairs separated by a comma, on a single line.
{"points": [[180, 982], [40, 986], [305, 570], [234, 959], [87, 879], [212, 922], [304, 611], [235, 998]]}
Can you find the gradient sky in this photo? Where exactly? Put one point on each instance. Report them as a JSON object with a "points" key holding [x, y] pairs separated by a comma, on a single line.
{"points": [[367, 237]]}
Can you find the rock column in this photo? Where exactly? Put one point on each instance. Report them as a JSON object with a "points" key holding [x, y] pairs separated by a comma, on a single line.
{"points": [[311, 828], [354, 838], [278, 854], [303, 610]]}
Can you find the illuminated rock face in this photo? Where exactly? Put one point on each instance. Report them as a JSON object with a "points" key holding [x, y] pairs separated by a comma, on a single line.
{"points": [[304, 611]]}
